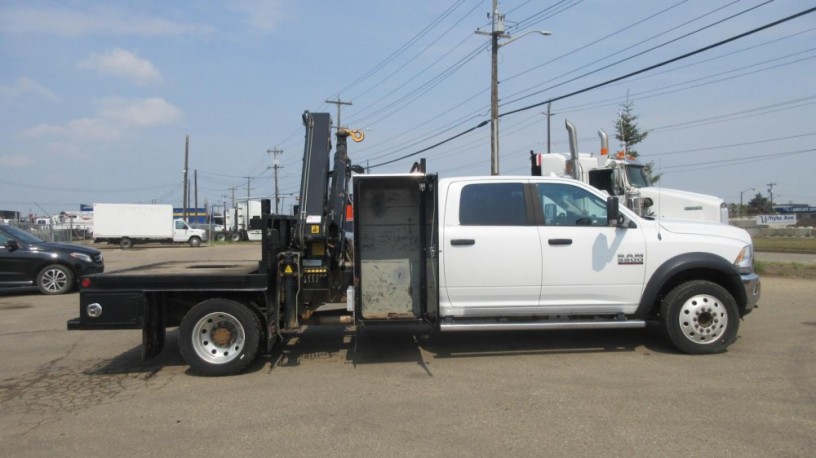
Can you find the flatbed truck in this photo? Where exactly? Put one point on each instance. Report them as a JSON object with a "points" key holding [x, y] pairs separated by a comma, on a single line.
{"points": [[452, 254]]}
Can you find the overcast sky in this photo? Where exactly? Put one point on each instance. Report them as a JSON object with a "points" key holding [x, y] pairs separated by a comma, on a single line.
{"points": [[96, 97]]}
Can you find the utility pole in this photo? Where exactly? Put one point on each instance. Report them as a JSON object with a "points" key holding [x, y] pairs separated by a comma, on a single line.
{"points": [[497, 20], [195, 181], [232, 190], [770, 191], [498, 29], [248, 188], [276, 165], [186, 161], [549, 114], [338, 102], [224, 212], [187, 203]]}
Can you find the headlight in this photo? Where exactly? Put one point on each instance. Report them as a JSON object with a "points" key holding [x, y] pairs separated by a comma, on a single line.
{"points": [[82, 257], [745, 260]]}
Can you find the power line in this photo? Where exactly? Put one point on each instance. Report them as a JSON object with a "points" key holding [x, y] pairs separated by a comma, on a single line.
{"points": [[421, 52], [402, 48], [462, 121], [762, 157], [610, 81], [665, 43], [666, 62], [605, 37], [656, 92], [732, 145], [796, 103]]}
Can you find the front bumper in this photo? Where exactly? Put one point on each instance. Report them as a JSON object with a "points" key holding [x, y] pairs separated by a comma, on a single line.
{"points": [[753, 289]]}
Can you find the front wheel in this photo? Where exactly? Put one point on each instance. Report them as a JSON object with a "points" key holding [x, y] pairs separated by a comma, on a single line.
{"points": [[195, 242], [219, 337], [700, 317], [55, 279], [235, 237], [126, 243]]}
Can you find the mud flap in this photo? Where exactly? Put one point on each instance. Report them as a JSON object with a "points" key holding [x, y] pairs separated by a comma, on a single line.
{"points": [[153, 329]]}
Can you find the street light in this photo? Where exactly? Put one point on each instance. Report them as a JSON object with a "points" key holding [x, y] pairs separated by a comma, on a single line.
{"points": [[741, 211], [496, 33]]}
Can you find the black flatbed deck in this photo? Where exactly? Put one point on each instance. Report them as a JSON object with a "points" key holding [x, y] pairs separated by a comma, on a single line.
{"points": [[183, 275]]}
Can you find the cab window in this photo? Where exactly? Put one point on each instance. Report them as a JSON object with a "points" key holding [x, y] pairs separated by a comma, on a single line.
{"points": [[492, 204], [568, 205]]}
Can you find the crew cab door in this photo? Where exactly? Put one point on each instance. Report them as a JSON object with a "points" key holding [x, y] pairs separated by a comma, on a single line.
{"points": [[491, 249], [587, 264]]}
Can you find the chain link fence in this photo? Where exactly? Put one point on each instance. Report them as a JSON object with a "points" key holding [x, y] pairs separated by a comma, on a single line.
{"points": [[56, 233]]}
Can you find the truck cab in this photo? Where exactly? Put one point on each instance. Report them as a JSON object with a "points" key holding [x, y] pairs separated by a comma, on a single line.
{"points": [[624, 176]]}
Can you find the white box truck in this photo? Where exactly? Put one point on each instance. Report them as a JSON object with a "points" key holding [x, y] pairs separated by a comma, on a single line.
{"points": [[128, 224]]}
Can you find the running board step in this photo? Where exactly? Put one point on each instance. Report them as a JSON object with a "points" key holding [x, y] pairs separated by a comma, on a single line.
{"points": [[541, 325]]}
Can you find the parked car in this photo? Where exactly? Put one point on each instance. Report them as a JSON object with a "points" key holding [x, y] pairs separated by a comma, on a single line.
{"points": [[54, 268]]}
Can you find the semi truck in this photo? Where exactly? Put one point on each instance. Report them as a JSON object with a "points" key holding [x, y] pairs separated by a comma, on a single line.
{"points": [[626, 177], [242, 222], [129, 224], [456, 254]]}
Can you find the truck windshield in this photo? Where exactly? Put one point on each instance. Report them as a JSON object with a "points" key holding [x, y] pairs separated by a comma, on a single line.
{"points": [[636, 174]]}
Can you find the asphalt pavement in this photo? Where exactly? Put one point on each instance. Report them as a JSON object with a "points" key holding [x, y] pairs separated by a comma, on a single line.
{"points": [[406, 392]]}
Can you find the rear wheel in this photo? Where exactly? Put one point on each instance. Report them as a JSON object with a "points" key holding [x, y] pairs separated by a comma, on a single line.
{"points": [[235, 237], [126, 243], [700, 317], [55, 279], [219, 337], [221, 237], [195, 242]]}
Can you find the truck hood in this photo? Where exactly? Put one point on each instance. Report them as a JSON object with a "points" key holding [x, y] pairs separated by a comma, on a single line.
{"points": [[675, 194], [682, 226], [673, 203]]}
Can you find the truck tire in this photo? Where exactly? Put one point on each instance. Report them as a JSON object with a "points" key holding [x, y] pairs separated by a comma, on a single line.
{"points": [[700, 317], [126, 243], [220, 237], [55, 279], [195, 242], [235, 237], [219, 337]]}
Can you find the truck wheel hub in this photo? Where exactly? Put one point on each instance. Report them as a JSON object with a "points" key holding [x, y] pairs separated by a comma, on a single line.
{"points": [[221, 336], [703, 319], [218, 338]]}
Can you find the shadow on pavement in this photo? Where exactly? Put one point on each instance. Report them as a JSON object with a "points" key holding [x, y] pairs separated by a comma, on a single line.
{"points": [[406, 344]]}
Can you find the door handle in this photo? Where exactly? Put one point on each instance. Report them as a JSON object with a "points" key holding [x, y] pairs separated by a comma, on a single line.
{"points": [[463, 242], [560, 241]]}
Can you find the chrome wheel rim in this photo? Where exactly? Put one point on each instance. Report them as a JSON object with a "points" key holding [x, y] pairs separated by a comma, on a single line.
{"points": [[54, 280], [218, 338], [703, 319]]}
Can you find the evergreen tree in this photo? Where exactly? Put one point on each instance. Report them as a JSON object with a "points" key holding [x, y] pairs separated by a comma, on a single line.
{"points": [[759, 205], [629, 134], [626, 128]]}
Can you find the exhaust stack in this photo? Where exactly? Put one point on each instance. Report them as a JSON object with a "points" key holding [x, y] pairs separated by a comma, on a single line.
{"points": [[573, 142]]}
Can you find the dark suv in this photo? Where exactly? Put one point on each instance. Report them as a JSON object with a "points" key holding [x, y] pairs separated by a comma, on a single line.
{"points": [[54, 268]]}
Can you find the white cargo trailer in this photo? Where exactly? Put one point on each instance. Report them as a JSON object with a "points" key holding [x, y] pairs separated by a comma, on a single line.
{"points": [[128, 224]]}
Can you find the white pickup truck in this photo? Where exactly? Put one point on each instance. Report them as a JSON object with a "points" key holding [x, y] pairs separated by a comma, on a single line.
{"points": [[456, 254], [545, 253], [452, 254]]}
